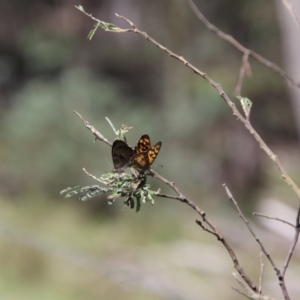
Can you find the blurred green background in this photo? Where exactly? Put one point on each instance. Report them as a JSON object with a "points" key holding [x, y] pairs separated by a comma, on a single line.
{"points": [[56, 248]]}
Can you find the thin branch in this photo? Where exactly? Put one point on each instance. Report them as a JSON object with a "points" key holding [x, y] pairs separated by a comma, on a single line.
{"points": [[96, 133], [261, 276], [240, 47], [169, 196], [276, 269], [111, 125], [243, 294], [296, 237], [291, 251], [289, 6], [245, 69], [248, 126], [293, 246], [221, 92], [273, 218], [251, 295], [218, 234], [215, 231], [91, 175], [205, 229], [242, 283]]}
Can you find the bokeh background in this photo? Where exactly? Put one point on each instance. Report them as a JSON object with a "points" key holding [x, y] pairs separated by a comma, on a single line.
{"points": [[57, 248]]}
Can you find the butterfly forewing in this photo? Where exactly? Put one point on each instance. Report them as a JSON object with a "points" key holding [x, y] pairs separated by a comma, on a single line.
{"points": [[121, 154], [143, 144], [144, 160]]}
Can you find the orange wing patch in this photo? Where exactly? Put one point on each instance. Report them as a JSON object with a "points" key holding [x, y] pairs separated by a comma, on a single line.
{"points": [[144, 160], [143, 144]]}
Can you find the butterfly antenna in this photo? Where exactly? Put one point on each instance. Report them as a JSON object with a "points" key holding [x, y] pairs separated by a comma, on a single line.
{"points": [[108, 161], [158, 166]]}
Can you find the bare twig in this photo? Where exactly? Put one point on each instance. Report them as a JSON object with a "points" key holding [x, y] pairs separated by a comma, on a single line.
{"points": [[168, 196], [289, 6], [273, 218], [220, 90], [91, 175], [243, 294], [261, 276], [214, 230], [279, 274], [296, 237], [248, 126], [292, 248], [96, 133], [206, 229], [240, 47], [250, 294], [245, 69], [111, 125]]}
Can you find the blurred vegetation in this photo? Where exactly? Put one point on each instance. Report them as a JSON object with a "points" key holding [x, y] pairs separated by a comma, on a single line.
{"points": [[48, 69]]}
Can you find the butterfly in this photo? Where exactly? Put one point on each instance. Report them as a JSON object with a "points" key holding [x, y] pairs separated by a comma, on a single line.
{"points": [[121, 154], [141, 157], [144, 154]]}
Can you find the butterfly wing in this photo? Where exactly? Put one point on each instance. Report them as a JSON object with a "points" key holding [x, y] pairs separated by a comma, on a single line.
{"points": [[143, 144], [144, 160], [121, 155]]}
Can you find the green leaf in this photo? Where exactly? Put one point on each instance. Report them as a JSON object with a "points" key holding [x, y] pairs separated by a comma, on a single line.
{"points": [[79, 7], [246, 105], [91, 34]]}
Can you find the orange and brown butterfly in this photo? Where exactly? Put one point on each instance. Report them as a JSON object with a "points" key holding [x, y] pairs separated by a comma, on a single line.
{"points": [[121, 154], [144, 154]]}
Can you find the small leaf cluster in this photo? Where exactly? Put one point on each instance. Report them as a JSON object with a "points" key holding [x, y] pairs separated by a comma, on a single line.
{"points": [[132, 187], [86, 192]]}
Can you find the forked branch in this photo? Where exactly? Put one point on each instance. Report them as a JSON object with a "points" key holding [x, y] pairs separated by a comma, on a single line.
{"points": [[221, 92], [228, 38], [245, 121], [180, 197]]}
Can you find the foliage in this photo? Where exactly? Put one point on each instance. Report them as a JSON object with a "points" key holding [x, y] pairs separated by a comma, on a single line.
{"points": [[132, 187]]}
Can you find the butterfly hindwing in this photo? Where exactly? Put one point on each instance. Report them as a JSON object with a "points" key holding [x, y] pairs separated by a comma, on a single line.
{"points": [[121, 154], [144, 160]]}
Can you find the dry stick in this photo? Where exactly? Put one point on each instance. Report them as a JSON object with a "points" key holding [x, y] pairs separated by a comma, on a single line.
{"points": [[236, 113], [295, 240], [248, 125], [242, 283], [206, 229], [96, 133], [273, 218], [243, 294], [215, 231], [261, 273], [296, 237], [279, 274], [240, 47], [111, 125], [91, 175], [244, 66], [289, 6], [220, 90]]}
